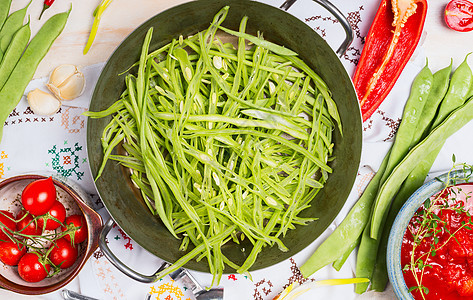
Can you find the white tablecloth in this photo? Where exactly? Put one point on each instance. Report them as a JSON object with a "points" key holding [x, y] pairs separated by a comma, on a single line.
{"points": [[58, 144]]}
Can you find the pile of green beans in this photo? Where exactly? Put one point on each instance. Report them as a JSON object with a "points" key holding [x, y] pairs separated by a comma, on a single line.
{"points": [[437, 107], [20, 57], [226, 142]]}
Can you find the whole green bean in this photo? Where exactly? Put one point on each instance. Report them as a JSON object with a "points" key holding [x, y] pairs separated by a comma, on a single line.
{"points": [[13, 53], [348, 232], [457, 119], [12, 24], [414, 181], [458, 90], [24, 70], [441, 80], [4, 11], [420, 91]]}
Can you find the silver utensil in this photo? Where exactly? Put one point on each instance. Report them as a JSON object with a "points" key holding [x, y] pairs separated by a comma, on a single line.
{"points": [[70, 295]]}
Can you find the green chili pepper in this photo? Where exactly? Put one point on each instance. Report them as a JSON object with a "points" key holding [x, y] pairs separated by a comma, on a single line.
{"points": [[99, 10]]}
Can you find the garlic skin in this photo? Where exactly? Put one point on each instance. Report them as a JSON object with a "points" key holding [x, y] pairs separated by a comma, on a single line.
{"points": [[42, 103], [66, 82]]}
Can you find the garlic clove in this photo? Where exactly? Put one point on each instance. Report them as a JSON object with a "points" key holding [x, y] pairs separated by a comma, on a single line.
{"points": [[42, 103], [66, 82]]}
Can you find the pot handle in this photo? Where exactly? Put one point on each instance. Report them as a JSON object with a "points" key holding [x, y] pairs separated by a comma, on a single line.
{"points": [[117, 262], [338, 15]]}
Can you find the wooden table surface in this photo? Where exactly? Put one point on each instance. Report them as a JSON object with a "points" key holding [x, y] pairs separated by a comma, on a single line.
{"points": [[122, 16]]}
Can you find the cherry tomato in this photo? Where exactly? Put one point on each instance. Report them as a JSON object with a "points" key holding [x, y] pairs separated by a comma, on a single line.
{"points": [[459, 15], [7, 220], [27, 225], [11, 253], [38, 197], [57, 211], [64, 253], [78, 222], [32, 269]]}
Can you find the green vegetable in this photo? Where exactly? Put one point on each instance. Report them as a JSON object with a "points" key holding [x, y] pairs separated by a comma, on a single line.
{"points": [[441, 81], [457, 119], [99, 10], [4, 10], [223, 142], [417, 176], [13, 53], [24, 70], [339, 243], [12, 24], [420, 91], [458, 90]]}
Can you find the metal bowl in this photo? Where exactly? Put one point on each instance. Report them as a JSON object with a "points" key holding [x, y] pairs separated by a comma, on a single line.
{"points": [[74, 201], [124, 202]]}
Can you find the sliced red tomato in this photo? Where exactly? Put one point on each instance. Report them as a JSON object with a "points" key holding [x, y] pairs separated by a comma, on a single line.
{"points": [[57, 212], [27, 225], [11, 252], [459, 15], [8, 224], [63, 254], [38, 197], [32, 268], [78, 226]]}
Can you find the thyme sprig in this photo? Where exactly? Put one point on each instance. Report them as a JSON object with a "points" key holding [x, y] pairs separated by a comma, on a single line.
{"points": [[427, 224]]}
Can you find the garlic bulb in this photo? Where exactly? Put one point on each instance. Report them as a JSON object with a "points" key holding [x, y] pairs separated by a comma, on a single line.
{"points": [[42, 103], [66, 82]]}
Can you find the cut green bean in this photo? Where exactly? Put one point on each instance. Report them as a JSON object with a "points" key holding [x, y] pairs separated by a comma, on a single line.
{"points": [[223, 141]]}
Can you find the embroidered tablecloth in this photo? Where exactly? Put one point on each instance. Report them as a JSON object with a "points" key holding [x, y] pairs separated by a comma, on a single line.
{"points": [[58, 144]]}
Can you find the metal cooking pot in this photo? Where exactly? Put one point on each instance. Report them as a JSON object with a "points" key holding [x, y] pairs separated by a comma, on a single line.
{"points": [[123, 201]]}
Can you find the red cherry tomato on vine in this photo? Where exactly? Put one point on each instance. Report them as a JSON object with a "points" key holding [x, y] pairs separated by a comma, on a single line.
{"points": [[57, 211], [32, 269], [27, 225], [78, 222], [11, 253], [459, 15], [63, 253], [8, 224], [38, 197]]}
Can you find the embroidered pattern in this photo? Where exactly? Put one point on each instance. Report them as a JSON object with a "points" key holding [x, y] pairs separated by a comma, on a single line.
{"points": [[65, 161]]}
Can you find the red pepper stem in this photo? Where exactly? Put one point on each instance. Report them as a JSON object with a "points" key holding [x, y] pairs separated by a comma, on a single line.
{"points": [[45, 6]]}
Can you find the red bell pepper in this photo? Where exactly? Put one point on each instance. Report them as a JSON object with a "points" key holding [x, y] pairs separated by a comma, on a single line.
{"points": [[391, 40]]}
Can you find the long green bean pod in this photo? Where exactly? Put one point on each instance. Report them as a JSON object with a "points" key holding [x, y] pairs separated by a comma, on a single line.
{"points": [[420, 90], [12, 24], [457, 92], [13, 53], [441, 81], [457, 119], [24, 70], [349, 231], [4, 10]]}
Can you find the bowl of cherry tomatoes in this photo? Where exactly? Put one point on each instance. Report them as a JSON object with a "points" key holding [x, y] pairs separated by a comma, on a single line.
{"points": [[47, 233]]}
